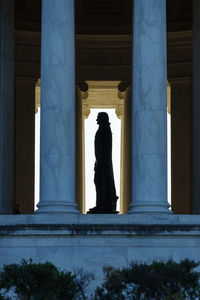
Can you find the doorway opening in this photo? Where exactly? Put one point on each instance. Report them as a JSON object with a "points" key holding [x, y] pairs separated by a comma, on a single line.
{"points": [[90, 130], [94, 97]]}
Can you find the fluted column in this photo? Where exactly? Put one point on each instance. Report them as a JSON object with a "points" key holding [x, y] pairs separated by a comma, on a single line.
{"points": [[57, 174], [149, 108]]}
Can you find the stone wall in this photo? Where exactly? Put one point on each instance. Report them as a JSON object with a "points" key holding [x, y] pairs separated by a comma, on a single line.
{"points": [[92, 242]]}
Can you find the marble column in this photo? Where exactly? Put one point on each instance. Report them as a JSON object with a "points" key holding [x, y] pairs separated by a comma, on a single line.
{"points": [[57, 174], [149, 108], [6, 105], [196, 107]]}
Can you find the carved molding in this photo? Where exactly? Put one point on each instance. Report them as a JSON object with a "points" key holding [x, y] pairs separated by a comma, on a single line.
{"points": [[120, 110], [102, 94], [86, 110], [82, 87]]}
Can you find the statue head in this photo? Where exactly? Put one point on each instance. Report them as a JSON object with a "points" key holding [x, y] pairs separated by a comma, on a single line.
{"points": [[102, 118]]}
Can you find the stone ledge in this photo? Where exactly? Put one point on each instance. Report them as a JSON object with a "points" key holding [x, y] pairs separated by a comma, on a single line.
{"points": [[121, 219], [99, 229]]}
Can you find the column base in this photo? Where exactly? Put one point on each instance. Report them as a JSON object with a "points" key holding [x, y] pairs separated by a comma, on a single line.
{"points": [[148, 208], [57, 208]]}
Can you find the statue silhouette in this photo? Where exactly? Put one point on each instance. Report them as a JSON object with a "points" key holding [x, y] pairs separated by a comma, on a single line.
{"points": [[106, 198]]}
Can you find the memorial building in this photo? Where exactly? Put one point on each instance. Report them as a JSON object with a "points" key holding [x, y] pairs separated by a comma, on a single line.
{"points": [[139, 57]]}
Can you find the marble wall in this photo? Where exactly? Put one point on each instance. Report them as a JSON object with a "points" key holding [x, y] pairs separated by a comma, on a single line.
{"points": [[92, 242]]}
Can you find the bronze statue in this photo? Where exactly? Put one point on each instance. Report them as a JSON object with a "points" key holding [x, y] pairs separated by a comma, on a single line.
{"points": [[106, 198]]}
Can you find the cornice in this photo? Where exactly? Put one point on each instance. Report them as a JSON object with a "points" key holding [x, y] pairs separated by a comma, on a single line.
{"points": [[179, 38], [28, 38]]}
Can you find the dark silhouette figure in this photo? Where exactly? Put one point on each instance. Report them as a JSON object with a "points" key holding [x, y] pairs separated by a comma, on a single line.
{"points": [[104, 180]]}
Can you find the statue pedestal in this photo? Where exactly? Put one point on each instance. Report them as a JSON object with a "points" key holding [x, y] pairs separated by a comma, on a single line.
{"points": [[102, 210]]}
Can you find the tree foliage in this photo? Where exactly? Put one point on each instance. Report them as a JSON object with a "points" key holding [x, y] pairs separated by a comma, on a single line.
{"points": [[159, 280], [139, 281], [42, 281]]}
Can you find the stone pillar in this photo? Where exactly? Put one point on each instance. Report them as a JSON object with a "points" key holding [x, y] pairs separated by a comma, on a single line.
{"points": [[196, 107], [81, 93], [6, 105], [149, 108], [125, 183], [57, 174]]}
